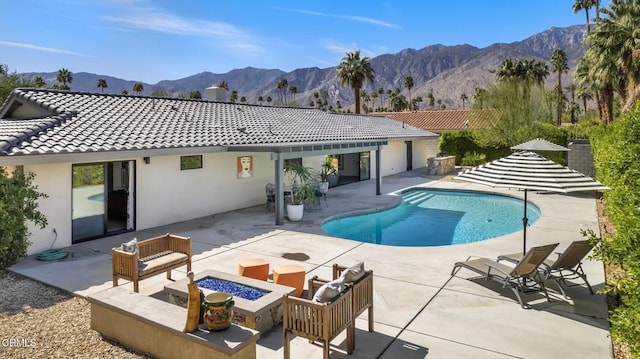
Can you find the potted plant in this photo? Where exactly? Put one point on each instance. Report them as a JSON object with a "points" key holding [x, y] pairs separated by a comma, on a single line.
{"points": [[301, 190]]}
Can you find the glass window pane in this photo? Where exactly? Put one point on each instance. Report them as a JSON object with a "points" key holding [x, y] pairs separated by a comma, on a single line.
{"points": [[88, 201]]}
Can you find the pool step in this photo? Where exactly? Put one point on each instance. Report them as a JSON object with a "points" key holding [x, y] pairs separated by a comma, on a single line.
{"points": [[417, 198]]}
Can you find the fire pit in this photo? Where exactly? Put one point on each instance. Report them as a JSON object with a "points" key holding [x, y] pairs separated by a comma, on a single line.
{"points": [[260, 310]]}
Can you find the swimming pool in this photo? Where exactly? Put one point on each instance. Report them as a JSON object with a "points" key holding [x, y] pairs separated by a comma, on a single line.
{"points": [[435, 217]]}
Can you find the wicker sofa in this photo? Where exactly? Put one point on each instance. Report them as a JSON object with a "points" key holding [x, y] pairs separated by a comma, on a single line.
{"points": [[154, 256]]}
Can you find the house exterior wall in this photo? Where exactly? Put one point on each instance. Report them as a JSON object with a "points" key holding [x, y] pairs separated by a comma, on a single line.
{"points": [[55, 181], [165, 194]]}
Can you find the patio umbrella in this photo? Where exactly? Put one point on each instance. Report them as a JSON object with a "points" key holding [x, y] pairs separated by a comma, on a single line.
{"points": [[530, 171], [539, 144]]}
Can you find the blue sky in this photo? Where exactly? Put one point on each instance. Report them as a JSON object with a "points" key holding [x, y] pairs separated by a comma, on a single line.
{"points": [[145, 40]]}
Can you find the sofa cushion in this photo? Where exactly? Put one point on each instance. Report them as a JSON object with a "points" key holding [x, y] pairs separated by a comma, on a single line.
{"points": [[354, 273], [329, 291], [160, 262]]}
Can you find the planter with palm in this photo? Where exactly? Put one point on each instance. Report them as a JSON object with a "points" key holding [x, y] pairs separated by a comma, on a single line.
{"points": [[301, 190]]}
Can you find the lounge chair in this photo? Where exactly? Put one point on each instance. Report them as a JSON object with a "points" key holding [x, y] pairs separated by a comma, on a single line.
{"points": [[570, 260], [517, 278]]}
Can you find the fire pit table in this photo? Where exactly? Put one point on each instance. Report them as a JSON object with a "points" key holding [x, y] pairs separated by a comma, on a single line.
{"points": [[260, 309]]}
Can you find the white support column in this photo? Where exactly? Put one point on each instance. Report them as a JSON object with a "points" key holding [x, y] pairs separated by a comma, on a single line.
{"points": [[279, 168], [378, 171]]}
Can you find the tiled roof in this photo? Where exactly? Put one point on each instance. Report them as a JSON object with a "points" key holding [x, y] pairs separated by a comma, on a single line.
{"points": [[85, 122], [443, 120]]}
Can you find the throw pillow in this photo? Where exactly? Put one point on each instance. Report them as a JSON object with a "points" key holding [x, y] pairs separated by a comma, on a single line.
{"points": [[131, 246], [354, 273], [329, 291]]}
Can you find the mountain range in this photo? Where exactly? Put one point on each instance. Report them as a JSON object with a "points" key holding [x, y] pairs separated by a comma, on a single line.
{"points": [[445, 71]]}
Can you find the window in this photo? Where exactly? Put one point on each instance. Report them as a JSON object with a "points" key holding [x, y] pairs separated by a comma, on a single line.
{"points": [[190, 162]]}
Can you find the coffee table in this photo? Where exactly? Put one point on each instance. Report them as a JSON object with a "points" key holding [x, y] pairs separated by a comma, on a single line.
{"points": [[261, 314]]}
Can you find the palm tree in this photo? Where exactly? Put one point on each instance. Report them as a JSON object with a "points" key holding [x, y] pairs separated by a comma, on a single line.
{"points": [[559, 65], [612, 57], [243, 99], [125, 92], [138, 87], [584, 5], [234, 96], [195, 94], [478, 96], [102, 84], [354, 71], [64, 77], [584, 93], [432, 100], [464, 98], [269, 99], [408, 84], [374, 96], [259, 100], [380, 94], [282, 86], [224, 85], [293, 90], [39, 82]]}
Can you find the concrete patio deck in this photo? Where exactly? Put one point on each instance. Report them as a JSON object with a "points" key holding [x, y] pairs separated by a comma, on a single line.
{"points": [[421, 311]]}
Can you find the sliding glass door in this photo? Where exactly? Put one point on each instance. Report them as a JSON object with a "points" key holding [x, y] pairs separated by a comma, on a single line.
{"points": [[102, 199], [88, 201]]}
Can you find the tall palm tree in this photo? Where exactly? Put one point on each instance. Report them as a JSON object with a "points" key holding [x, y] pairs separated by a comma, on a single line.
{"points": [[293, 90], [584, 93], [374, 96], [243, 99], [584, 5], [408, 84], [224, 85], [354, 71], [282, 86], [559, 64], [464, 98], [234, 96], [64, 78], [269, 99], [138, 87], [432, 100], [259, 100], [612, 57], [102, 84], [39, 82]]}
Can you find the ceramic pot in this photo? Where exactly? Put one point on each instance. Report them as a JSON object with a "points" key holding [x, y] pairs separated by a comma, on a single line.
{"points": [[218, 310], [295, 211], [323, 187]]}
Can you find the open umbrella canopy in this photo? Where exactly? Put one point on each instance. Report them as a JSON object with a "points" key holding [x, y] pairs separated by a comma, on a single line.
{"points": [[539, 144], [530, 171]]}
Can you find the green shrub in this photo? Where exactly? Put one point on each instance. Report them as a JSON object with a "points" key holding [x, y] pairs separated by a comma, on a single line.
{"points": [[474, 159], [18, 204], [616, 151]]}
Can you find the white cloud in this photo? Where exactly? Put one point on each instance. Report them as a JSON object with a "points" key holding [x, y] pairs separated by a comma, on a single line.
{"points": [[346, 17], [154, 19], [344, 48], [41, 48]]}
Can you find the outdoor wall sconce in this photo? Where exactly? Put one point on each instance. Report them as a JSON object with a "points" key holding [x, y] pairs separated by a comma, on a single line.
{"points": [[147, 160]]}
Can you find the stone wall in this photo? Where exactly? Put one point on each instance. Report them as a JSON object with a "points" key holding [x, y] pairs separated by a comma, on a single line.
{"points": [[441, 165], [580, 157]]}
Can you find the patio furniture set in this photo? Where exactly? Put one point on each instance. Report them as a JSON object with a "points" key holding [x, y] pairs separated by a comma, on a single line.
{"points": [[531, 270], [331, 307]]}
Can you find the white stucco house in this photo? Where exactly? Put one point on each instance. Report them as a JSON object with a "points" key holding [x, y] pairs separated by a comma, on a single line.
{"points": [[113, 163]]}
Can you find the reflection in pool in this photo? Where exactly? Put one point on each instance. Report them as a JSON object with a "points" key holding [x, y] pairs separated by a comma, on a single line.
{"points": [[434, 217]]}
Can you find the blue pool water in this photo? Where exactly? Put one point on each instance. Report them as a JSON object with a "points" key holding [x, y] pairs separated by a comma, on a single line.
{"points": [[97, 197], [432, 217], [233, 288]]}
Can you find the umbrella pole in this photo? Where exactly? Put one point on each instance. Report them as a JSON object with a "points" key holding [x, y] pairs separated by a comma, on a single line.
{"points": [[524, 224]]}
